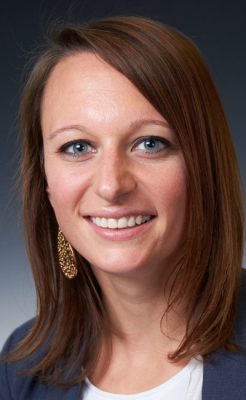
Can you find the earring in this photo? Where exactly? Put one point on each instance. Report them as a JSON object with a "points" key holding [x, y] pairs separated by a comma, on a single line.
{"points": [[66, 256]]}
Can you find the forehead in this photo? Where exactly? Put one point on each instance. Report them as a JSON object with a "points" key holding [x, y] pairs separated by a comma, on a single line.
{"points": [[85, 66], [85, 86]]}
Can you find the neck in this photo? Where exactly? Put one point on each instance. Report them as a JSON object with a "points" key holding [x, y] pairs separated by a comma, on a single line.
{"points": [[141, 337], [137, 306]]}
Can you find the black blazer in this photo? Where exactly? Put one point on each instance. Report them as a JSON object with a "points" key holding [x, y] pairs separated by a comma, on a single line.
{"points": [[224, 375]]}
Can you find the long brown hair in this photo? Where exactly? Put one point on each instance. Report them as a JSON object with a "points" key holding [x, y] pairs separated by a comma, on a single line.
{"points": [[169, 71]]}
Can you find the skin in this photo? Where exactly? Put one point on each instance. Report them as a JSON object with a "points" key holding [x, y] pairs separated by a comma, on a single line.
{"points": [[86, 99]]}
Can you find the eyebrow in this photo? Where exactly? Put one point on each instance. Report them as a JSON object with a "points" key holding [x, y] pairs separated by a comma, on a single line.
{"points": [[134, 126]]}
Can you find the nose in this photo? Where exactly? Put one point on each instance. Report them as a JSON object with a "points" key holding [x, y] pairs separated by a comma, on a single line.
{"points": [[114, 177]]}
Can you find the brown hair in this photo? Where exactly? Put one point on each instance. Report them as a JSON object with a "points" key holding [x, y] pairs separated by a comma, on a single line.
{"points": [[169, 71]]}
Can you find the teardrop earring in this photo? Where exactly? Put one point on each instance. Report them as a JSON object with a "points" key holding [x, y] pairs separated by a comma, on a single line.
{"points": [[66, 256]]}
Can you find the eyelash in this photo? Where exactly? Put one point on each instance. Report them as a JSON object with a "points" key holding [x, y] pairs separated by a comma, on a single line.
{"points": [[64, 148], [164, 143]]}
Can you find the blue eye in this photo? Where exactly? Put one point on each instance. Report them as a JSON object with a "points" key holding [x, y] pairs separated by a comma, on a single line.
{"points": [[77, 148], [152, 144]]}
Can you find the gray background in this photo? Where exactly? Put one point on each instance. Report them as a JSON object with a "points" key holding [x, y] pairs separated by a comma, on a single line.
{"points": [[217, 27]]}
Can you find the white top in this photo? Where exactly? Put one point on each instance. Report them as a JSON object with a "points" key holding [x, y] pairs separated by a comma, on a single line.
{"points": [[185, 385]]}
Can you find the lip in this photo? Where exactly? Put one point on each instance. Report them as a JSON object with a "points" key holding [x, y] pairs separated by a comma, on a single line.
{"points": [[120, 234]]}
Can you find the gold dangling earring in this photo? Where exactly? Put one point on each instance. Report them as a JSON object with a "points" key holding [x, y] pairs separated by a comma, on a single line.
{"points": [[66, 256]]}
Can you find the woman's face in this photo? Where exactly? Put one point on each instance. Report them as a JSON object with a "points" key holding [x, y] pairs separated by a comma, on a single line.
{"points": [[116, 177]]}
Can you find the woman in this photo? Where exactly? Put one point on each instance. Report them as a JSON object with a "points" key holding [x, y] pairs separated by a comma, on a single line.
{"points": [[134, 222]]}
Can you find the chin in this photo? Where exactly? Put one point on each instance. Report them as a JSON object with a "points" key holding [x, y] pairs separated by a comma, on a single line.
{"points": [[117, 268]]}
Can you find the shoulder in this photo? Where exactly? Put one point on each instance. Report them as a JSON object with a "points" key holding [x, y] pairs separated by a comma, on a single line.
{"points": [[18, 334], [9, 380], [14, 385], [225, 372]]}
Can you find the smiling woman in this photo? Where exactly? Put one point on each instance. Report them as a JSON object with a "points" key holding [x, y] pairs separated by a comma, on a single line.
{"points": [[134, 223]]}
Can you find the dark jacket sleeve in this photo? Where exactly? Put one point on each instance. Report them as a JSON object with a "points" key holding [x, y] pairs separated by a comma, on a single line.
{"points": [[16, 386], [5, 393], [224, 375], [11, 383]]}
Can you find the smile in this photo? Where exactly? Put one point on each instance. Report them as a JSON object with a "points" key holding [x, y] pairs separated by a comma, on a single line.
{"points": [[121, 223]]}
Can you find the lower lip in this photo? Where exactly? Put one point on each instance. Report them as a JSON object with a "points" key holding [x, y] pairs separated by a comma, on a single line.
{"points": [[120, 234]]}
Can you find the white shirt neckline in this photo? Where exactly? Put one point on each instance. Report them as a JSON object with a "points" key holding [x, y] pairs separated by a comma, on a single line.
{"points": [[166, 386]]}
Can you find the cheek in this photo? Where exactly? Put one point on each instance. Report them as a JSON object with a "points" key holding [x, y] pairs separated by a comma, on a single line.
{"points": [[177, 190], [65, 188], [171, 190], [173, 209]]}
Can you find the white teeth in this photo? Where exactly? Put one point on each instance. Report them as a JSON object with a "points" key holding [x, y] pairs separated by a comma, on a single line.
{"points": [[104, 223], [112, 223], [120, 223], [131, 222], [96, 220], [139, 219], [146, 218]]}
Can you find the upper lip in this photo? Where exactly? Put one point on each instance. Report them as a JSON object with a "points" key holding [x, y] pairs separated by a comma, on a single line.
{"points": [[117, 213]]}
